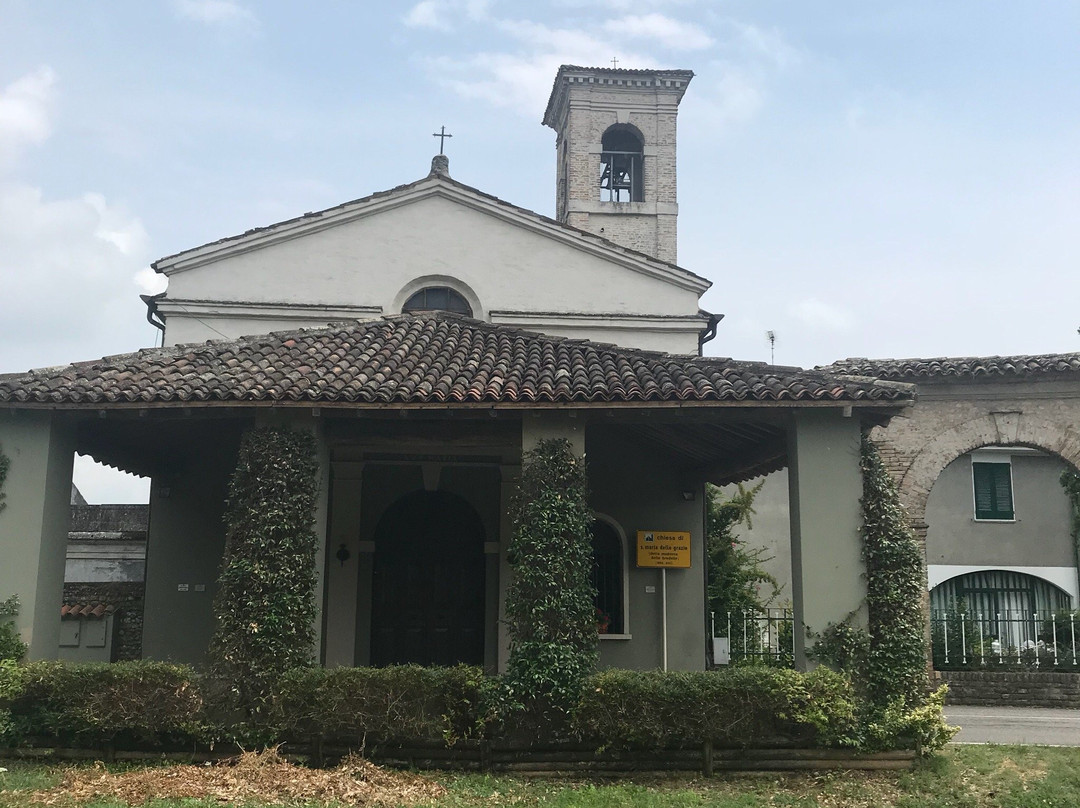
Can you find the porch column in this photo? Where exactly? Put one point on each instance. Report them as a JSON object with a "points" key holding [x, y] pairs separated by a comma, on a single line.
{"points": [[510, 476], [34, 525], [311, 421], [343, 577], [825, 485], [535, 427]]}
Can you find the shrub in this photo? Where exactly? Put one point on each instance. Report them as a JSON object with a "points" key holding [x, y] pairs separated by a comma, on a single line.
{"points": [[265, 607], [395, 705], [896, 587], [11, 645], [101, 703], [736, 573], [11, 687], [550, 606], [736, 707]]}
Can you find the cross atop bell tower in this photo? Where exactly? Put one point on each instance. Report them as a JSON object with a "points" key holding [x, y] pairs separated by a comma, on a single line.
{"points": [[616, 153]]}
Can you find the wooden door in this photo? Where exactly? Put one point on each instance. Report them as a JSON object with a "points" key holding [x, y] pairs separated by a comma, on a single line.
{"points": [[428, 584]]}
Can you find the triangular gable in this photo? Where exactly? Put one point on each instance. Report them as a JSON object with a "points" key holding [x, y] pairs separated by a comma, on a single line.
{"points": [[432, 186]]}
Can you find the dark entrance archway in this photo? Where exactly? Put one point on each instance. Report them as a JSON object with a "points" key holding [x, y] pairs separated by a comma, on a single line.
{"points": [[428, 582]]}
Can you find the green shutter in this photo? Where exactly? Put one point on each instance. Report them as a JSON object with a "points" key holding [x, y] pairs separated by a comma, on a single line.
{"points": [[993, 490]]}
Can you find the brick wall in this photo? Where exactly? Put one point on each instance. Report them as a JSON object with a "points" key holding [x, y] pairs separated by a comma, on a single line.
{"points": [[1012, 688], [955, 417]]}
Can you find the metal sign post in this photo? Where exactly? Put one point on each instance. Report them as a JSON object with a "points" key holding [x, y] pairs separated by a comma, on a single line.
{"points": [[662, 549]]}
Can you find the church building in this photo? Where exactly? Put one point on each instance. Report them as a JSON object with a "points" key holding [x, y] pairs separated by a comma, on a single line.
{"points": [[429, 336]]}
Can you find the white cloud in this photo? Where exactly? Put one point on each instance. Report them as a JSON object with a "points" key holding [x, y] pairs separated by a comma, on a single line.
{"points": [[522, 80], [442, 14], [68, 267], [24, 113], [214, 12], [734, 96], [669, 32], [821, 316], [427, 14], [767, 44]]}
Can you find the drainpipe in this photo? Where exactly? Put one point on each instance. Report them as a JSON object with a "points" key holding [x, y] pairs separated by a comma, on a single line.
{"points": [[152, 311], [709, 332]]}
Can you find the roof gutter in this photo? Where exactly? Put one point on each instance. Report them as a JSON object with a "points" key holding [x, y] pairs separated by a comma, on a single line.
{"points": [[709, 332], [151, 302]]}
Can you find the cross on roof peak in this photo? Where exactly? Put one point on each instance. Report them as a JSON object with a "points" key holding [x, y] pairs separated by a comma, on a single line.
{"points": [[442, 135], [614, 62]]}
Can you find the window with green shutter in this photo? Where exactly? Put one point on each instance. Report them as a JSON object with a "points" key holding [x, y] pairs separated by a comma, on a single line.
{"points": [[993, 490]]}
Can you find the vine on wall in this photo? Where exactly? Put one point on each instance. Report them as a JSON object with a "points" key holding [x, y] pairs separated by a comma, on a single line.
{"points": [[11, 645], [5, 465], [1070, 481], [265, 605], [550, 605], [888, 661]]}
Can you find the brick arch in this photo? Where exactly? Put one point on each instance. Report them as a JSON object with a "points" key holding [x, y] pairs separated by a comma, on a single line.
{"points": [[993, 429]]}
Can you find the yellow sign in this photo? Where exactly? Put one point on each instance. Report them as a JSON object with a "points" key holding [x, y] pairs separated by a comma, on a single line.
{"points": [[657, 548]]}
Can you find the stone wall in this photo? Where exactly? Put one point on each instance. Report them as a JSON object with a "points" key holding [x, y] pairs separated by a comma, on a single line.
{"points": [[1012, 688], [127, 599]]}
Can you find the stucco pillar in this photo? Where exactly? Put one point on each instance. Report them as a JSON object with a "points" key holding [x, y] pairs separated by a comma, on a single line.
{"points": [[343, 577], [825, 485], [510, 476], [536, 427], [34, 525], [311, 421]]}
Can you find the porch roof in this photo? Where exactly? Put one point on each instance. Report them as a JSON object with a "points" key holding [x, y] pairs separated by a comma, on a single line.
{"points": [[430, 359]]}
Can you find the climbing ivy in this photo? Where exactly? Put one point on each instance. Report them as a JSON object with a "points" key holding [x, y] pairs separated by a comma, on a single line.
{"points": [[11, 645], [1070, 481], [5, 464], [550, 605], [895, 589], [888, 661], [265, 605], [736, 575]]}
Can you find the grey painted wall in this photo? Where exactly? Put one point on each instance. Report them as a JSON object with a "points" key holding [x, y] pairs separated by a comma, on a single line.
{"points": [[34, 525], [1038, 537], [770, 530], [641, 489], [185, 546]]}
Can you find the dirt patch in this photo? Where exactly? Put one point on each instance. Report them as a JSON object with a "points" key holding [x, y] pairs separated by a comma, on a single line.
{"points": [[252, 777]]}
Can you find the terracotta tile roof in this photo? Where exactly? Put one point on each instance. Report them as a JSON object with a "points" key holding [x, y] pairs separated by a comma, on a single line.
{"points": [[431, 358], [76, 610], [969, 367]]}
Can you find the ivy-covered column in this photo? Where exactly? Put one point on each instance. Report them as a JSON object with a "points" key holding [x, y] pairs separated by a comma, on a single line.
{"points": [[34, 520], [311, 421], [825, 485]]}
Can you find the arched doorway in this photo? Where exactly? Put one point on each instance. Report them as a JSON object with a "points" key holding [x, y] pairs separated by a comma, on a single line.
{"points": [[428, 582]]}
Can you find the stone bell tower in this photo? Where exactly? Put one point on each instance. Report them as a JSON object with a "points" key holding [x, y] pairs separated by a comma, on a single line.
{"points": [[616, 153]]}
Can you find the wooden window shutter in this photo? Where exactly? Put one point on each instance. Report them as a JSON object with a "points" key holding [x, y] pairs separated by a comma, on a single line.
{"points": [[993, 490]]}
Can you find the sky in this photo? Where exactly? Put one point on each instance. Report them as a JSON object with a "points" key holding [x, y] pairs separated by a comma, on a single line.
{"points": [[861, 179]]}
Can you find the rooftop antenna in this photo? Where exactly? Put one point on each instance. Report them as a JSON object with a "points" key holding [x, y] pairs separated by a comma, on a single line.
{"points": [[771, 337], [614, 63]]}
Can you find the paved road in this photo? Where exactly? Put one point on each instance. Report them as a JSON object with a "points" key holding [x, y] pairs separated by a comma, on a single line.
{"points": [[1034, 725]]}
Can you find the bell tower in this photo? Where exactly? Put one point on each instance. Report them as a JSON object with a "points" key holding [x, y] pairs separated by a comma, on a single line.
{"points": [[616, 153]]}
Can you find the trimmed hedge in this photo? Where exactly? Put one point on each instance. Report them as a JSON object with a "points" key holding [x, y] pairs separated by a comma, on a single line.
{"points": [[740, 707], [399, 705], [95, 704], [153, 705]]}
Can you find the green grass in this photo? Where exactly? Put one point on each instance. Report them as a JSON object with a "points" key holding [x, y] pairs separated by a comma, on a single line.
{"points": [[961, 777]]}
